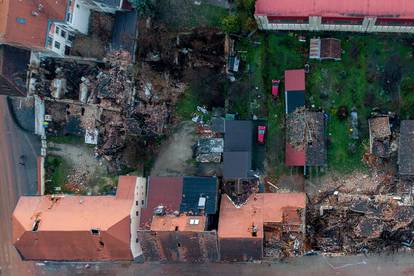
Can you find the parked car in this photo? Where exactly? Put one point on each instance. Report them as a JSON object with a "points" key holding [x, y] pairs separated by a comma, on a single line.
{"points": [[261, 133], [275, 88]]}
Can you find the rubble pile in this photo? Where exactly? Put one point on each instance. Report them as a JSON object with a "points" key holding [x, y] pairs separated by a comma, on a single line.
{"points": [[344, 222], [239, 190], [302, 128]]}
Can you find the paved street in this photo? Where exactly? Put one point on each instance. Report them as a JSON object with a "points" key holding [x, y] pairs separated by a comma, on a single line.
{"points": [[15, 180]]}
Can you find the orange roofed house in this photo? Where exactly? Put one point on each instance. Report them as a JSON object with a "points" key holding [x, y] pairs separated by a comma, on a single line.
{"points": [[80, 228], [48, 25], [267, 225]]}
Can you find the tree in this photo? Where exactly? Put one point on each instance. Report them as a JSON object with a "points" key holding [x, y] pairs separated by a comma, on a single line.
{"points": [[230, 24], [144, 7]]}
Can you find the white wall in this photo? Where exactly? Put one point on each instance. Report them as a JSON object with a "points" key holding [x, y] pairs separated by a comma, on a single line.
{"points": [[139, 202], [80, 17]]}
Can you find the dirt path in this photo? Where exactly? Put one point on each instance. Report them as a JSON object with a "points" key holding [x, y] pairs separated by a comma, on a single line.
{"points": [[174, 158]]}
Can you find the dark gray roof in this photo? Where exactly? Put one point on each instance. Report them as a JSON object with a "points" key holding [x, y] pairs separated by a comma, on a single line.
{"points": [[238, 136], [237, 164], [316, 151], [406, 148], [13, 70], [294, 100], [217, 124], [124, 31], [196, 187]]}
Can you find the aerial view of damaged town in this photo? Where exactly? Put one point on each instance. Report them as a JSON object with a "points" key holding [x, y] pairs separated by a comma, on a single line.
{"points": [[206, 137]]}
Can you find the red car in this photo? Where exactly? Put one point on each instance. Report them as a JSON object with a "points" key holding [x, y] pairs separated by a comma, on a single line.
{"points": [[275, 88], [261, 133]]}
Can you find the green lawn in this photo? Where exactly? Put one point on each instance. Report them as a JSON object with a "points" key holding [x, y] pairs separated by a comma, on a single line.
{"points": [[376, 71], [56, 170], [181, 15]]}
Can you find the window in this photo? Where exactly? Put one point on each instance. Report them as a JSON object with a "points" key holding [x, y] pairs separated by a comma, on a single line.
{"points": [[137, 213], [36, 225], [142, 202], [57, 45], [176, 228], [57, 30], [63, 34], [342, 20], [71, 38], [49, 42], [136, 203], [21, 20], [136, 240], [394, 22], [95, 232], [288, 20]]}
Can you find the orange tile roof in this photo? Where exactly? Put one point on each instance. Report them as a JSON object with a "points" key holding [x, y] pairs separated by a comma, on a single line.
{"points": [[180, 223], [65, 223], [32, 33], [259, 209]]}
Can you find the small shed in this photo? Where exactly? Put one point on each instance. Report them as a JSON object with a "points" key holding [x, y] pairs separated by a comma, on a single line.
{"points": [[325, 49]]}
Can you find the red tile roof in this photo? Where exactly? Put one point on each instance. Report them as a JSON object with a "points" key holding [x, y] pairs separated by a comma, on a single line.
{"points": [[65, 223], [336, 8], [294, 157], [165, 191], [31, 33], [295, 80], [259, 209]]}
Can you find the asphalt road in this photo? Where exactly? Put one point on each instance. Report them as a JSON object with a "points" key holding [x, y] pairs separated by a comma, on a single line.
{"points": [[15, 180]]}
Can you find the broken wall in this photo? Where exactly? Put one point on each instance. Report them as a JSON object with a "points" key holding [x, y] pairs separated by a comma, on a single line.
{"points": [[193, 247]]}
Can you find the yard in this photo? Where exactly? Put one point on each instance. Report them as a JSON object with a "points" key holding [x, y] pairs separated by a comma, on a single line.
{"points": [[376, 73]]}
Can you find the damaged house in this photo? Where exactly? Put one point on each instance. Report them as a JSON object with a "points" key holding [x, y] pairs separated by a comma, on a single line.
{"points": [[373, 223], [209, 150], [268, 225], [179, 219], [305, 139], [380, 136], [406, 148], [80, 228]]}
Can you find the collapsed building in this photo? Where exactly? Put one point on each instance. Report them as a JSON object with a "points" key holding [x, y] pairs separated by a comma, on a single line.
{"points": [[179, 220], [80, 228], [360, 223], [267, 225]]}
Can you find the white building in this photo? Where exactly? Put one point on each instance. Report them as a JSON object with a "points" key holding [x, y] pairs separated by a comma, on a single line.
{"points": [[109, 6], [333, 15], [62, 33]]}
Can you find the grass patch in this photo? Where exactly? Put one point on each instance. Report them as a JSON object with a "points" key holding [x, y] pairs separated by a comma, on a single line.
{"points": [[181, 15], [186, 105], [56, 173], [67, 139]]}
